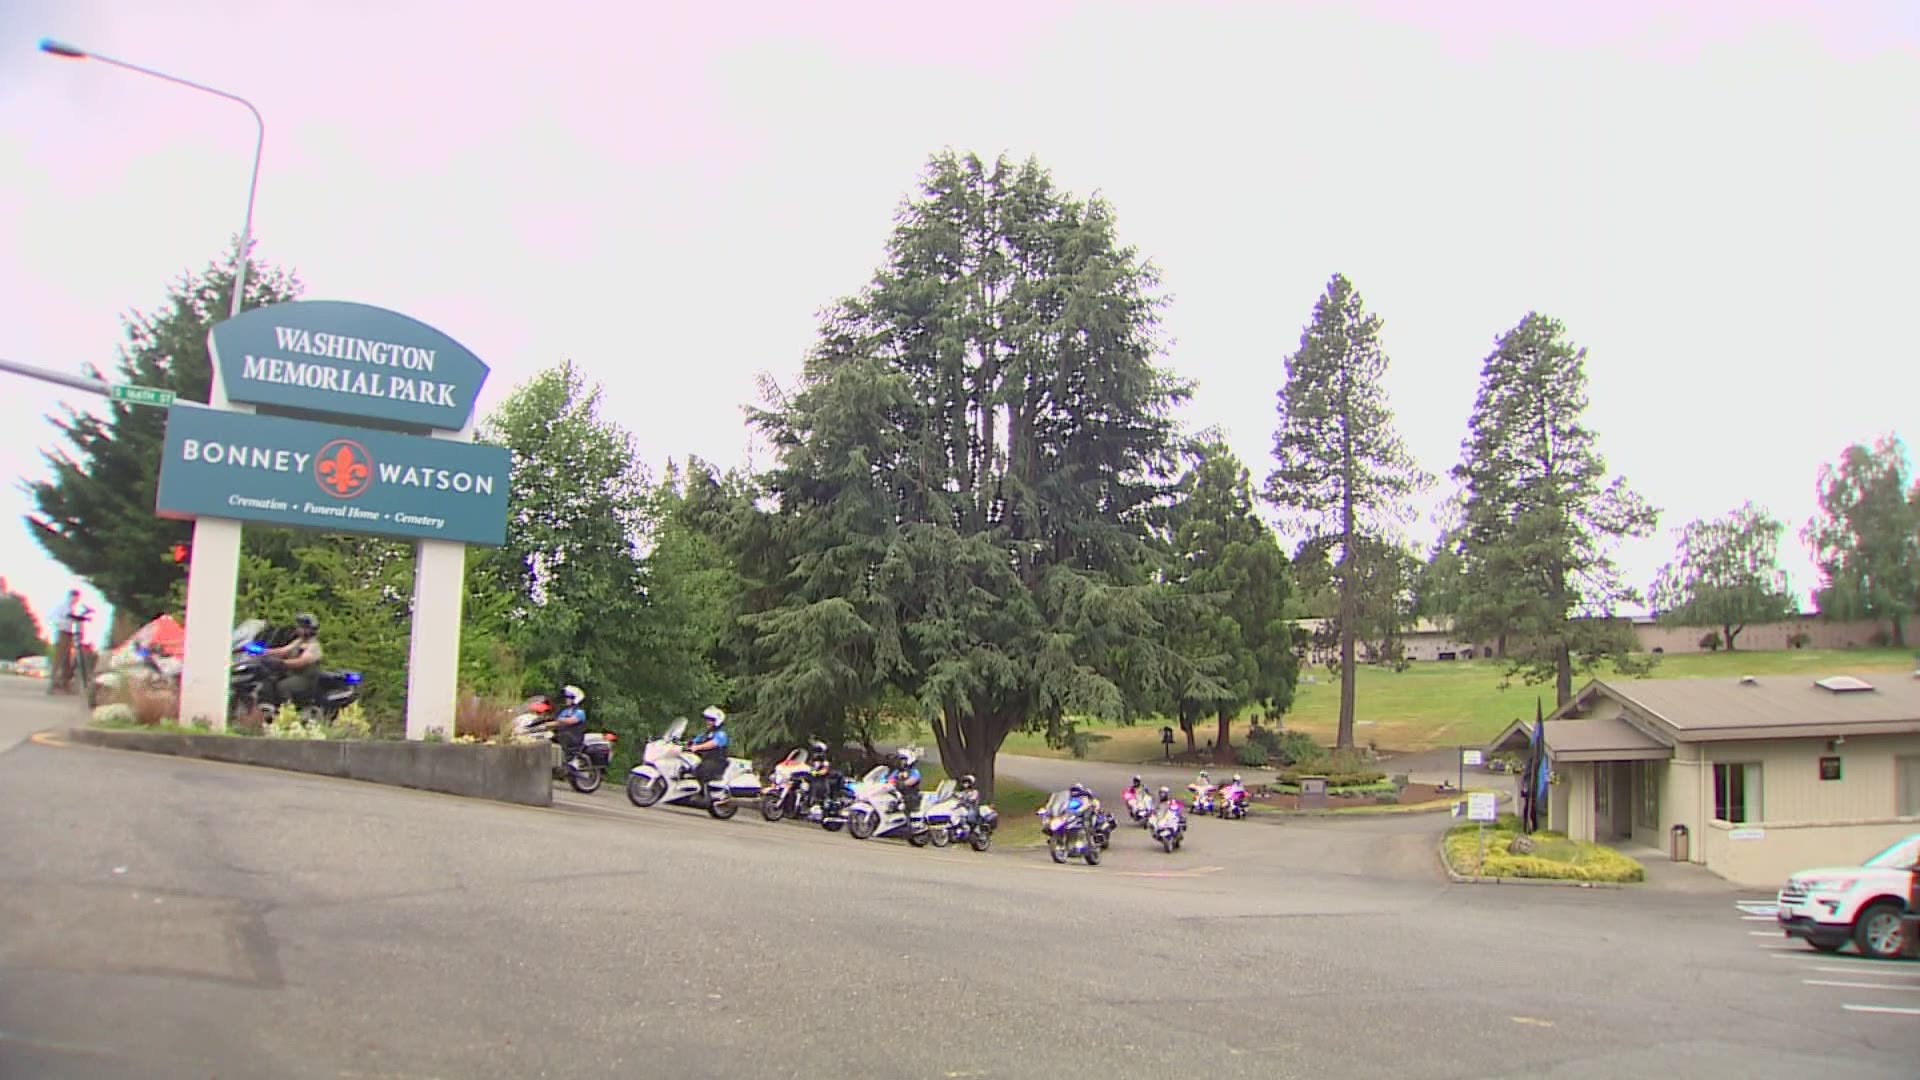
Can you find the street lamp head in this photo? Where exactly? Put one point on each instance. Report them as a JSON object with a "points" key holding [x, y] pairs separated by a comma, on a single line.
{"points": [[62, 49]]}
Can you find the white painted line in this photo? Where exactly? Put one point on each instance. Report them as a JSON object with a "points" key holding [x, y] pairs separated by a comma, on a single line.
{"points": [[1855, 969], [1858, 985], [1794, 945], [1763, 933], [1888, 1009], [1757, 907], [1759, 918]]}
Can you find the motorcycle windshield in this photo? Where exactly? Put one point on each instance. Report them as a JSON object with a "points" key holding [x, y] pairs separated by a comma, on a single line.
{"points": [[247, 631], [1057, 803], [675, 731]]}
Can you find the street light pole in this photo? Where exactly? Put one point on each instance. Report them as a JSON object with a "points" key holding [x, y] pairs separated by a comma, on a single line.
{"points": [[213, 566], [74, 52]]}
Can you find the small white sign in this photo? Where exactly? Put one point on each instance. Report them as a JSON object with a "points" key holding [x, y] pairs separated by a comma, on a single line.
{"points": [[1483, 806], [1469, 757], [1747, 834]]}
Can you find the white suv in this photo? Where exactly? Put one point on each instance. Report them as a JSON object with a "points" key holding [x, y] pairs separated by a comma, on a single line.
{"points": [[1834, 905]]}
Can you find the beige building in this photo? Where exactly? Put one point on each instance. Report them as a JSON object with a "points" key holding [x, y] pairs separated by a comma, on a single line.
{"points": [[1765, 776]]}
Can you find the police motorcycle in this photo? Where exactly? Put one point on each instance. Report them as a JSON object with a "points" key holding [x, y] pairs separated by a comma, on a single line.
{"points": [[1139, 802], [255, 680], [1064, 822], [879, 811], [586, 766], [1169, 824], [666, 775], [955, 815]]}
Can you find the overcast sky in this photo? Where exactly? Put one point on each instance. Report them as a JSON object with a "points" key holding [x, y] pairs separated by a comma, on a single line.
{"points": [[1719, 199]]}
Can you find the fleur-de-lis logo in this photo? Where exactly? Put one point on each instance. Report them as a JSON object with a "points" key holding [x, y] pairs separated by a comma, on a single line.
{"points": [[343, 468]]}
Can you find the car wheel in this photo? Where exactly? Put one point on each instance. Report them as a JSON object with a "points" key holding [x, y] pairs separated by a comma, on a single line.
{"points": [[1877, 931]]}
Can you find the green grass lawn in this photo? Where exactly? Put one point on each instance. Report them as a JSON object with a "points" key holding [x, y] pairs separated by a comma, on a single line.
{"points": [[1451, 703]]}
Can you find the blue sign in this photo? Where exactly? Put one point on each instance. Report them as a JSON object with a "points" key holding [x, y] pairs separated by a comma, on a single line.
{"points": [[275, 469], [344, 359]]}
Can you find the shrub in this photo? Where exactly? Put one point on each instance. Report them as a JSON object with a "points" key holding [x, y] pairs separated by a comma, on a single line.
{"points": [[1400, 782], [483, 717], [114, 714], [1269, 740], [350, 723], [1252, 755], [1710, 641], [1799, 639], [287, 724], [1386, 798], [1297, 748], [1553, 856]]}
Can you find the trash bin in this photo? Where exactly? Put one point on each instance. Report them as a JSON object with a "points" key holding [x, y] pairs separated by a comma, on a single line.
{"points": [[1678, 844]]}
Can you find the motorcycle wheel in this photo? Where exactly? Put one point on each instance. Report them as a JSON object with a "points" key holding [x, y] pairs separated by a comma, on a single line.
{"points": [[773, 807], [1093, 854], [1167, 842], [919, 839], [980, 839], [860, 826], [724, 809], [583, 776], [1057, 847], [832, 825], [940, 837], [644, 792]]}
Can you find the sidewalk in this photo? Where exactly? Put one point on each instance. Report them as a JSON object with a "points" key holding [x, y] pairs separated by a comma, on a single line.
{"points": [[1665, 875]]}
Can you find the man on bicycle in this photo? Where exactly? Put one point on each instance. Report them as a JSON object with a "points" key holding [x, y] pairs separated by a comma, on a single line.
{"points": [[71, 622]]}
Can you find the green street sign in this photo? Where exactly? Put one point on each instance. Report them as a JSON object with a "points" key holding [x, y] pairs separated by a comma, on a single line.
{"points": [[257, 467], [140, 395]]}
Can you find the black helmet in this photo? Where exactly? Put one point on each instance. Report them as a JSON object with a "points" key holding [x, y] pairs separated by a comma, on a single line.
{"points": [[307, 621]]}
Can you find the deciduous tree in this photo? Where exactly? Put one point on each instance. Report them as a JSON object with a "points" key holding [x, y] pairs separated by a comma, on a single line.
{"points": [[1866, 538], [1725, 574]]}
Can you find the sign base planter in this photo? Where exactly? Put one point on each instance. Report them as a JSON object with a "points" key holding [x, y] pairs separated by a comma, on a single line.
{"points": [[516, 774]]}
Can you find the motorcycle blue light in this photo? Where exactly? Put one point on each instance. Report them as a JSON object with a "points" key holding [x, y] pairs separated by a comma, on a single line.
{"points": [[352, 678]]}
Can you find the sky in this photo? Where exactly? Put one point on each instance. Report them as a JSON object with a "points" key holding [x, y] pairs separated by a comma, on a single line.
{"points": [[1717, 198]]}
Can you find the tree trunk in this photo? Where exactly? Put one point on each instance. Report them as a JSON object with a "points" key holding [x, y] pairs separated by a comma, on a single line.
{"points": [[970, 744], [1187, 719], [1899, 632], [1500, 646], [1343, 740], [1562, 674], [1224, 743], [1728, 633]]}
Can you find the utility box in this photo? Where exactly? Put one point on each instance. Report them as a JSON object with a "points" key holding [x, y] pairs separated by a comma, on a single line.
{"points": [[1313, 793]]}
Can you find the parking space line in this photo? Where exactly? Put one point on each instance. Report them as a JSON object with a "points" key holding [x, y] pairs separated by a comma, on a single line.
{"points": [[1887, 1009], [1858, 985], [1760, 918], [1855, 969], [1763, 933]]}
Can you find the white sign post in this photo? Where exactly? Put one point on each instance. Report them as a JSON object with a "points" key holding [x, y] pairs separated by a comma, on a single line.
{"points": [[1483, 807]]}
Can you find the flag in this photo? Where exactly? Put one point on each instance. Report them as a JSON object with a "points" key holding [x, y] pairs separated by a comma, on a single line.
{"points": [[1537, 771]]}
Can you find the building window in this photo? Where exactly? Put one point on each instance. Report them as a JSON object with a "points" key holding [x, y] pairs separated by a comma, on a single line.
{"points": [[1907, 786], [1736, 792], [1648, 803]]}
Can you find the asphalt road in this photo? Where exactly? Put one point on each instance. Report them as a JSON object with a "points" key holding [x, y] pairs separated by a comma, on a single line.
{"points": [[168, 918]]}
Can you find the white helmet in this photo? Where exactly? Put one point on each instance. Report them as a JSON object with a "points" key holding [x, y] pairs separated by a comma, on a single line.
{"points": [[715, 715], [573, 694], [908, 757], [1236, 778]]}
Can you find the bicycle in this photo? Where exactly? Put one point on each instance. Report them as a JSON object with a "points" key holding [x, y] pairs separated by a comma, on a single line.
{"points": [[75, 664]]}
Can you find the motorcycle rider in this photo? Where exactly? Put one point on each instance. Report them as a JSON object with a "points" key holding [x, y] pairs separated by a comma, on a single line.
{"points": [[1135, 789], [570, 726], [822, 780], [967, 789], [713, 748], [300, 658], [905, 779]]}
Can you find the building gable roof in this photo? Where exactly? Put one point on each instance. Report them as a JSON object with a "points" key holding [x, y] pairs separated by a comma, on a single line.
{"points": [[1767, 707]]}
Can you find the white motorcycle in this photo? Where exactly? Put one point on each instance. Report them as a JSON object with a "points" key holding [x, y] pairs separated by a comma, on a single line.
{"points": [[879, 811], [586, 766], [1139, 805], [1169, 825], [666, 775]]}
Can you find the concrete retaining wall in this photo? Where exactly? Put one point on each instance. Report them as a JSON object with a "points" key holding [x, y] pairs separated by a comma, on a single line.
{"points": [[516, 774]]}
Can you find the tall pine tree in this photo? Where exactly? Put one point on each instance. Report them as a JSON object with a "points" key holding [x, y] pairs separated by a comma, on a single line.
{"points": [[95, 514], [1866, 538], [1541, 515], [1341, 471]]}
